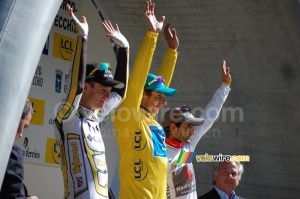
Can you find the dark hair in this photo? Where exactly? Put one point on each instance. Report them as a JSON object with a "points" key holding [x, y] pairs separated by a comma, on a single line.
{"points": [[148, 92], [91, 83], [168, 131], [27, 108]]}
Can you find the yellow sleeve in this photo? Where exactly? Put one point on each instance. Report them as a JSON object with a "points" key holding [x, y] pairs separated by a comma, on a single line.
{"points": [[168, 65], [139, 72]]}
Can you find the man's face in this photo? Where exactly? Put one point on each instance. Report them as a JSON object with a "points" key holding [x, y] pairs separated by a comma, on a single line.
{"points": [[96, 95], [227, 179], [23, 125], [183, 133], [153, 102]]}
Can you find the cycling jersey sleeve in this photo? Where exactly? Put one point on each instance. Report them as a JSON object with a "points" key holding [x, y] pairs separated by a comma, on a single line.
{"points": [[122, 71], [140, 71], [68, 108], [121, 74], [168, 65], [210, 114]]}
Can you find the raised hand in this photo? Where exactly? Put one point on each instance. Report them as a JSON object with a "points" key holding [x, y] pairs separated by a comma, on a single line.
{"points": [[153, 24], [226, 77], [171, 37], [84, 28], [115, 34]]}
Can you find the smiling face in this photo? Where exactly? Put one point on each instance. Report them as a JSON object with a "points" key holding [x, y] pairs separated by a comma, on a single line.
{"points": [[95, 96], [154, 101], [227, 178], [183, 133]]}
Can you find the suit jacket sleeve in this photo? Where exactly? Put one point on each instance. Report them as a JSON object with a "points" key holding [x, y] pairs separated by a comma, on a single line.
{"points": [[12, 186]]}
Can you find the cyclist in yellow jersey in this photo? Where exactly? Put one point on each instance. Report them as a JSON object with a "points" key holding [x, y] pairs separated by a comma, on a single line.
{"points": [[141, 140]]}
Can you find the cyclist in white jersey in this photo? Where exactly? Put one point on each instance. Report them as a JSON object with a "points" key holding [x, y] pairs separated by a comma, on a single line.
{"points": [[183, 133], [93, 94]]}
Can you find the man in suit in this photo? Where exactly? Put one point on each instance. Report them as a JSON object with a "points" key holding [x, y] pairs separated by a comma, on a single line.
{"points": [[226, 177], [13, 182]]}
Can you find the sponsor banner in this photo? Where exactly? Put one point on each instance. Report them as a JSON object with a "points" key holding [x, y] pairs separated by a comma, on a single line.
{"points": [[63, 47], [39, 111], [31, 153], [38, 79], [62, 21], [51, 155], [58, 80]]}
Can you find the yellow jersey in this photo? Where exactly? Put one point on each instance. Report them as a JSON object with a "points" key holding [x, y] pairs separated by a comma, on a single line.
{"points": [[141, 140]]}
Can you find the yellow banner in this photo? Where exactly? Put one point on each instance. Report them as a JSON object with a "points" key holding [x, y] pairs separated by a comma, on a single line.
{"points": [[63, 47], [39, 111], [51, 155]]}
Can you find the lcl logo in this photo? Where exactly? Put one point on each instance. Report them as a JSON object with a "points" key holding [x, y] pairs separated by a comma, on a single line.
{"points": [[141, 170], [63, 47], [140, 141]]}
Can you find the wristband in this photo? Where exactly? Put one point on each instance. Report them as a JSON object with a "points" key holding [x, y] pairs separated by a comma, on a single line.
{"points": [[226, 84]]}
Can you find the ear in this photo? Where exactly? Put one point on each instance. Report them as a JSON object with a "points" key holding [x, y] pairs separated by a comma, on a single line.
{"points": [[173, 130], [173, 126], [86, 87], [144, 95], [214, 177]]}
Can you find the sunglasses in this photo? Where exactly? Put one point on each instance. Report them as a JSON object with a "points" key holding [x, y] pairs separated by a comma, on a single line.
{"points": [[158, 79], [184, 108], [101, 67]]}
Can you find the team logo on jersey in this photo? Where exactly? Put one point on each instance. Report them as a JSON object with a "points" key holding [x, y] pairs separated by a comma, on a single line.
{"points": [[79, 181], [183, 180], [140, 169], [140, 141], [187, 172], [94, 138], [76, 161], [63, 47], [158, 141], [90, 138]]}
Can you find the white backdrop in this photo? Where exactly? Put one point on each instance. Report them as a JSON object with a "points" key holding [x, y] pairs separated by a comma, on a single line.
{"points": [[49, 86]]}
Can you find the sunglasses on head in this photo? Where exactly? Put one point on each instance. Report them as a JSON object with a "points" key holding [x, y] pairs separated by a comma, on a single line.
{"points": [[101, 67], [158, 79], [184, 108]]}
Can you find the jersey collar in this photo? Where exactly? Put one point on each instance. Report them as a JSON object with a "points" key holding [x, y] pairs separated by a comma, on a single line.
{"points": [[86, 112], [173, 143], [147, 112]]}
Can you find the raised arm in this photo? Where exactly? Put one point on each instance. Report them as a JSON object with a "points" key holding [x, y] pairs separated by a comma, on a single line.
{"points": [[122, 70], [212, 110], [168, 65], [77, 71], [226, 77], [153, 24], [143, 60]]}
